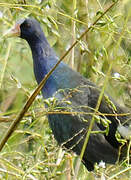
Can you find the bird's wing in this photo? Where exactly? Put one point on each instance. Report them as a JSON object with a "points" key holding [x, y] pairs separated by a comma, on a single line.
{"points": [[70, 132], [79, 104]]}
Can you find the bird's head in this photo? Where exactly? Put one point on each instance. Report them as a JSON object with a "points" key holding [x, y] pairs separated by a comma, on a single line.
{"points": [[28, 29]]}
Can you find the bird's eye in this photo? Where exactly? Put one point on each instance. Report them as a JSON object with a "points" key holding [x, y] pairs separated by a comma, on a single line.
{"points": [[27, 25]]}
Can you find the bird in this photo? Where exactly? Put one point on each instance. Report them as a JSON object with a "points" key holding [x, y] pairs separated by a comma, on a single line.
{"points": [[73, 99]]}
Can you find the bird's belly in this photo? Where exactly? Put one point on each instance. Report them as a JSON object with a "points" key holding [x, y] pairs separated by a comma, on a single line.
{"points": [[71, 134], [65, 129]]}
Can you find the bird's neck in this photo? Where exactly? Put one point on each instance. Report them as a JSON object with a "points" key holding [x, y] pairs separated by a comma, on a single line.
{"points": [[44, 60], [40, 47]]}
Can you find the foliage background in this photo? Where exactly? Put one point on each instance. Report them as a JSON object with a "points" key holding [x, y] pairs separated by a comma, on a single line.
{"points": [[31, 152]]}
